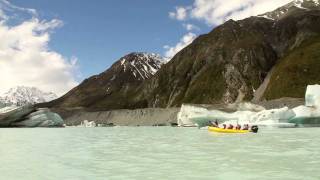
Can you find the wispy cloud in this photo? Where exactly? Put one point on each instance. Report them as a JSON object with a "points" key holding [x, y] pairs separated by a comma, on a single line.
{"points": [[8, 6], [215, 12], [184, 41], [25, 56], [180, 13], [190, 27]]}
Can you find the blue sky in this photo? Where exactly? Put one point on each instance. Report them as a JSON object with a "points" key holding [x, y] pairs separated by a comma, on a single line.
{"points": [[100, 32]]}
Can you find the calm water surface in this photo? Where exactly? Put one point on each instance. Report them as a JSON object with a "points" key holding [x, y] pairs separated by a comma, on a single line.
{"points": [[158, 153]]}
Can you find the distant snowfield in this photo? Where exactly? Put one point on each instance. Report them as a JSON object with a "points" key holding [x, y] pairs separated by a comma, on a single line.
{"points": [[22, 95]]}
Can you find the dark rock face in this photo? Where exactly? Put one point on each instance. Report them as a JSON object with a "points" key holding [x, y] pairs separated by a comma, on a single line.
{"points": [[218, 67], [230, 62], [113, 88], [224, 66]]}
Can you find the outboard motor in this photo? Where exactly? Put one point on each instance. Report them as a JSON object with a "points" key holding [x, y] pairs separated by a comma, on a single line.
{"points": [[254, 129]]}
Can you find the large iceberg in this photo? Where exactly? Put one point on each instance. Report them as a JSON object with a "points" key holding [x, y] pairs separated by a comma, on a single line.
{"points": [[192, 115], [40, 118], [308, 115], [28, 116], [201, 116], [247, 113], [313, 96]]}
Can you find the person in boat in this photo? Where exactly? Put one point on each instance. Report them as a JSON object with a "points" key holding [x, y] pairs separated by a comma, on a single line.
{"points": [[215, 123], [224, 126], [238, 127], [230, 126], [246, 127]]}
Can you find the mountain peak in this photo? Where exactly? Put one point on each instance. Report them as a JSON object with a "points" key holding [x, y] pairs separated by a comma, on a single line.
{"points": [[23, 95], [141, 65], [296, 5], [111, 89]]}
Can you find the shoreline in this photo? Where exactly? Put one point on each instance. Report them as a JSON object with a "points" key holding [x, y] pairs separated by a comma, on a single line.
{"points": [[151, 116], [122, 117]]}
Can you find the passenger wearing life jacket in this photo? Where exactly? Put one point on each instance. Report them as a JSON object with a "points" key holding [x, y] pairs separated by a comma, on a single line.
{"points": [[246, 127], [230, 126], [238, 127], [214, 124]]}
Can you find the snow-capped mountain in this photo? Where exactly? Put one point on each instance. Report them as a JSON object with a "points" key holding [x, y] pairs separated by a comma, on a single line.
{"points": [[142, 65], [112, 88], [22, 95], [296, 5]]}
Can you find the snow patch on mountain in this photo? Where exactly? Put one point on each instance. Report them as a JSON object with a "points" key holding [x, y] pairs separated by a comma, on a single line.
{"points": [[22, 95], [142, 65], [296, 4]]}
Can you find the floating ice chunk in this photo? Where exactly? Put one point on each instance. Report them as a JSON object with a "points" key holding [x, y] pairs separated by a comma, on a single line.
{"points": [[245, 106], [304, 112], [190, 115], [309, 115], [272, 116], [247, 113], [306, 116], [313, 95], [87, 123]]}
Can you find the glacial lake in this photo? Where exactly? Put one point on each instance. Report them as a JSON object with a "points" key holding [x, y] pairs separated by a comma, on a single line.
{"points": [[158, 153]]}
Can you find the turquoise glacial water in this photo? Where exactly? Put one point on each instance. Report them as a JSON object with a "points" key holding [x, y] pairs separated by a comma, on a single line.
{"points": [[158, 153]]}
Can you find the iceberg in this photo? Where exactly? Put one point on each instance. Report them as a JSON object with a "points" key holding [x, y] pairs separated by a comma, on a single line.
{"points": [[87, 124], [309, 115], [40, 119], [191, 115], [313, 96], [248, 113], [11, 114], [28, 116], [270, 118]]}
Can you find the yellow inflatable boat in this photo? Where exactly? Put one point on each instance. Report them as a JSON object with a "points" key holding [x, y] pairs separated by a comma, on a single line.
{"points": [[221, 130]]}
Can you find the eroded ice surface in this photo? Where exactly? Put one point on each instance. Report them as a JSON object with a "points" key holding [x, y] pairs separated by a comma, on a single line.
{"points": [[247, 113]]}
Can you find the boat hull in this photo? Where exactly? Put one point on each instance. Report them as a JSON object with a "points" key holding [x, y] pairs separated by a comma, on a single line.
{"points": [[221, 130]]}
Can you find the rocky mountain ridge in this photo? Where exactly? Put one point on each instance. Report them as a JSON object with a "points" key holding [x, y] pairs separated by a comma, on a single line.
{"points": [[112, 88], [296, 5], [231, 62]]}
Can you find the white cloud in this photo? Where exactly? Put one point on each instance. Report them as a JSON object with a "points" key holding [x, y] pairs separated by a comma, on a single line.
{"points": [[26, 59], [184, 41], [215, 12], [11, 7], [190, 27], [179, 14]]}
